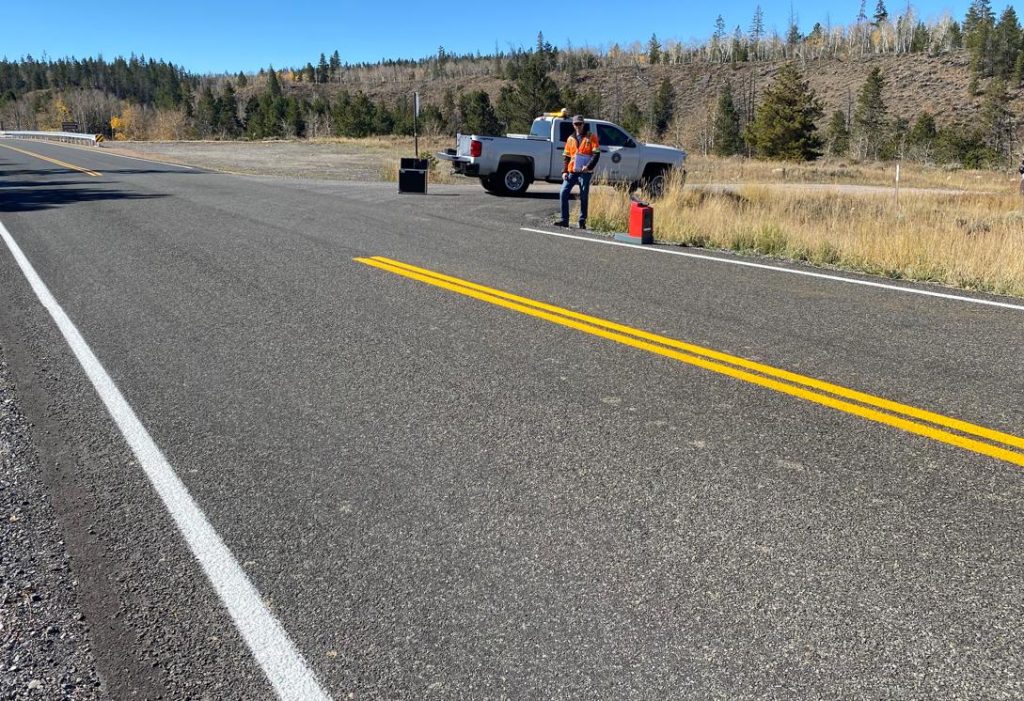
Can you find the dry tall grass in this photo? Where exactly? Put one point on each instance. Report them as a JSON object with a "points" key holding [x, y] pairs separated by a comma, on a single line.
{"points": [[973, 240], [708, 169]]}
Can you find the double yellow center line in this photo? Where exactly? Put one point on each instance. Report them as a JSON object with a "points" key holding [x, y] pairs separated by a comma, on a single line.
{"points": [[70, 166], [945, 429]]}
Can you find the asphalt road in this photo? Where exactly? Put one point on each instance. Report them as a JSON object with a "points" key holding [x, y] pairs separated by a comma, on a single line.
{"points": [[440, 497]]}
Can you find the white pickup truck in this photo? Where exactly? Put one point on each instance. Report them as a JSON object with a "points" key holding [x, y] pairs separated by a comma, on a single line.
{"points": [[507, 165]]}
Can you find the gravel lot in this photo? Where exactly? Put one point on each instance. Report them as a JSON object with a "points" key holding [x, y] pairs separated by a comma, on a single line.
{"points": [[328, 160], [43, 633]]}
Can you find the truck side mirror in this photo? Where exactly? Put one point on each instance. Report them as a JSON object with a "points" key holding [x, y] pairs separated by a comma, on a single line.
{"points": [[630, 143]]}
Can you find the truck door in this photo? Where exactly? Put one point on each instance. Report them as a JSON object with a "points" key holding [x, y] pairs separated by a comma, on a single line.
{"points": [[620, 157], [560, 133]]}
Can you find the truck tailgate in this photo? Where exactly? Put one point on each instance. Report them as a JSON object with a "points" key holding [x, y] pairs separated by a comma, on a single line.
{"points": [[462, 142]]}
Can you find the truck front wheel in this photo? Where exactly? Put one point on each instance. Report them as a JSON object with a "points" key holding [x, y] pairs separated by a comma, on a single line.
{"points": [[654, 181], [512, 180]]}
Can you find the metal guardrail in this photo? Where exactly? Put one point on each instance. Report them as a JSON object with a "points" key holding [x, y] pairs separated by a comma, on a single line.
{"points": [[66, 136]]}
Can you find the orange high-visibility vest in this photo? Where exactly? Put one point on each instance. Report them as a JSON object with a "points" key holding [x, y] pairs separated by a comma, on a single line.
{"points": [[587, 147]]}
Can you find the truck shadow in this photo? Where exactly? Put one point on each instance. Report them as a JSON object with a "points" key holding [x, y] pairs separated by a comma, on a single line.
{"points": [[531, 196]]}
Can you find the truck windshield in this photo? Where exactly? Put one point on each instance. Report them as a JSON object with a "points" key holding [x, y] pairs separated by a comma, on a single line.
{"points": [[541, 128]]}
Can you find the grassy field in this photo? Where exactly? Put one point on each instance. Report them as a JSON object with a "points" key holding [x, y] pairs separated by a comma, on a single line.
{"points": [[972, 240], [704, 170]]}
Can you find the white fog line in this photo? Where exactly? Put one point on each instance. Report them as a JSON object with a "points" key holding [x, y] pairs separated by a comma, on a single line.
{"points": [[777, 269], [284, 666]]}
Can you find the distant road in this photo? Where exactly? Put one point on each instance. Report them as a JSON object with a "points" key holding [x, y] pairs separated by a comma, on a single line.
{"points": [[457, 456]]}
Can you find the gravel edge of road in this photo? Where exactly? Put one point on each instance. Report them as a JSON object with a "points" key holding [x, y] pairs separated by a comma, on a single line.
{"points": [[44, 636]]}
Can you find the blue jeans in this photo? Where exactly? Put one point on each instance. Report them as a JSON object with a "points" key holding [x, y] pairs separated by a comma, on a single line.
{"points": [[583, 180]]}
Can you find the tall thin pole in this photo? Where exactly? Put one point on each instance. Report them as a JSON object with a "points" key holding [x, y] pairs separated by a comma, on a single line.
{"points": [[415, 119], [897, 184]]}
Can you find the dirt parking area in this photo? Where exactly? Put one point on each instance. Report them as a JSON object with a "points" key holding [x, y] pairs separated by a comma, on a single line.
{"points": [[367, 160]]}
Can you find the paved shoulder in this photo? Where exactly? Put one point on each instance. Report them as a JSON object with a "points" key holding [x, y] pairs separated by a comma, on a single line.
{"points": [[44, 643]]}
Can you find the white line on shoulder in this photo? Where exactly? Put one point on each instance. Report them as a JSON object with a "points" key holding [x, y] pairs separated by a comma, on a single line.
{"points": [[268, 641], [779, 269]]}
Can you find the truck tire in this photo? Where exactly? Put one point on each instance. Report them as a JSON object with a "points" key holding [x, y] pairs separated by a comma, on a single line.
{"points": [[489, 184], [654, 181], [512, 179]]}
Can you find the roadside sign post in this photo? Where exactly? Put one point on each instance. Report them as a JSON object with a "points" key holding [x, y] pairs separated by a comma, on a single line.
{"points": [[412, 172], [415, 119], [897, 184]]}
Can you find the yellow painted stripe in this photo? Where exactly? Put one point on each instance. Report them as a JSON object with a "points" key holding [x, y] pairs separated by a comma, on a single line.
{"points": [[821, 385], [563, 317], [71, 166]]}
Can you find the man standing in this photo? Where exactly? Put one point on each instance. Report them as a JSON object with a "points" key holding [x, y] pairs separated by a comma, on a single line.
{"points": [[581, 155]]}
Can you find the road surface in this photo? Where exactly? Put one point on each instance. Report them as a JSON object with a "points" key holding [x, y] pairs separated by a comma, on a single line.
{"points": [[415, 447]]}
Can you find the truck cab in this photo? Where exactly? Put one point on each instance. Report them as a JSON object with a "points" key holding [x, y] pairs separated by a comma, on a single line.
{"points": [[620, 153]]}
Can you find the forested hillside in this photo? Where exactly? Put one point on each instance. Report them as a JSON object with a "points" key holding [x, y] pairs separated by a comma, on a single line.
{"points": [[886, 86]]}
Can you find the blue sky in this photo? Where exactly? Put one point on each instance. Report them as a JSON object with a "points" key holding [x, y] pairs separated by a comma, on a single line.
{"points": [[208, 37]]}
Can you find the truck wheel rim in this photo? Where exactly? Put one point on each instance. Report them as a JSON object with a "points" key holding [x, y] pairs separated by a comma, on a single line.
{"points": [[514, 180]]}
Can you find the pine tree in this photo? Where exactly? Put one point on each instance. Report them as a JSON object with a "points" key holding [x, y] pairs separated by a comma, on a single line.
{"points": [[718, 40], [633, 119], [757, 25], [793, 32], [273, 84], [323, 71], [784, 124], [870, 119], [335, 65], [533, 93], [919, 42], [450, 110], [294, 125], [653, 50], [881, 14], [1006, 44], [207, 112], [727, 136], [187, 98], [837, 135], [757, 31], [253, 126], [921, 138], [979, 24], [663, 107], [996, 119], [228, 123], [740, 51], [576, 103], [478, 116]]}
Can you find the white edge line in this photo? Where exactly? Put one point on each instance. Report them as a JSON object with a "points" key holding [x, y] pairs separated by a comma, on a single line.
{"points": [[284, 666], [101, 151], [806, 273]]}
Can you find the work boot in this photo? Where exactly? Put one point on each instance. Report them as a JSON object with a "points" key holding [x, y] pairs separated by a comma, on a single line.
{"points": [[583, 226], [563, 224]]}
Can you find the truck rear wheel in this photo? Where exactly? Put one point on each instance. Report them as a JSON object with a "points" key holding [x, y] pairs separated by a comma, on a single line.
{"points": [[489, 184], [512, 180]]}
